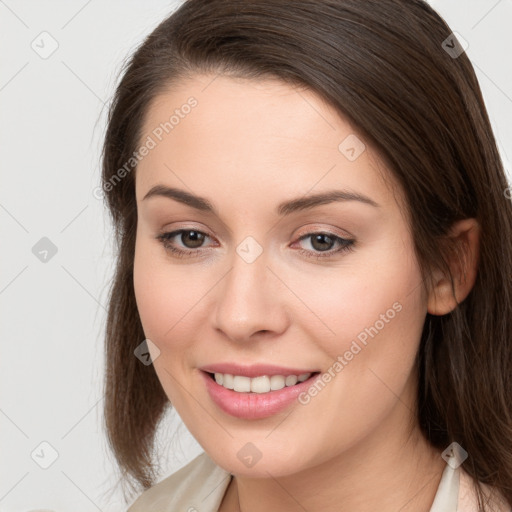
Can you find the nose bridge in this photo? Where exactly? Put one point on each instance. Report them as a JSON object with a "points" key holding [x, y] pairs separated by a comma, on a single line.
{"points": [[249, 300]]}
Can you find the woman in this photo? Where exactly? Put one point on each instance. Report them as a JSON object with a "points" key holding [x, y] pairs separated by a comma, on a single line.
{"points": [[314, 253]]}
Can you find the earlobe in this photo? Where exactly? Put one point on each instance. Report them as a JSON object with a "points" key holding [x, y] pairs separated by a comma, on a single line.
{"points": [[463, 265]]}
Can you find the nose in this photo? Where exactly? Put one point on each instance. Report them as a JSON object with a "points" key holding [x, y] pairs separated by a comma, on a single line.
{"points": [[251, 301]]}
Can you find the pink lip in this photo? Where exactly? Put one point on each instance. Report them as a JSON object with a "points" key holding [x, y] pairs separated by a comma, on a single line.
{"points": [[254, 370], [253, 406]]}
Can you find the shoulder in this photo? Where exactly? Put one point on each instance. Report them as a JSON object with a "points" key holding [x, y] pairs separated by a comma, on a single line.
{"points": [[199, 485], [468, 500]]}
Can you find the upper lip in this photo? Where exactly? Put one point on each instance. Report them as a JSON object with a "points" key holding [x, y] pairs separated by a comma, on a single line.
{"points": [[254, 370]]}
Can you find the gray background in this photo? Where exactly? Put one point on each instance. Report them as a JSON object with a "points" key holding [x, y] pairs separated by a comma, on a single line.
{"points": [[53, 312]]}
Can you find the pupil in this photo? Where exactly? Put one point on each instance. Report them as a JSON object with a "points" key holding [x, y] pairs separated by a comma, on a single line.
{"points": [[320, 238], [197, 238]]}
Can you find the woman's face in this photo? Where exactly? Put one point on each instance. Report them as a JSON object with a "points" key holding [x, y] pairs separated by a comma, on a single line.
{"points": [[329, 286]]}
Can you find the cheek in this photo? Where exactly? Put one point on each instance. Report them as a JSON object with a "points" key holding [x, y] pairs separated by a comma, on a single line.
{"points": [[157, 291], [376, 314], [170, 298], [370, 309]]}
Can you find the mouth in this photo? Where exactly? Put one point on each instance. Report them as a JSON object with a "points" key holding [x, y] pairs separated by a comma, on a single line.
{"points": [[261, 384], [258, 397]]}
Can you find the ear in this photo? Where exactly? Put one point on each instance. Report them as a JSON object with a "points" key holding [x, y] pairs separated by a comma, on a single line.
{"points": [[463, 265]]}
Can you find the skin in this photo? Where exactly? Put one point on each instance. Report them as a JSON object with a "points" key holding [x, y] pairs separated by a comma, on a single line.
{"points": [[246, 147]]}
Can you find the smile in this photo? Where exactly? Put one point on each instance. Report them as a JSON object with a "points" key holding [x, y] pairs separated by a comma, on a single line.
{"points": [[260, 384], [254, 398]]}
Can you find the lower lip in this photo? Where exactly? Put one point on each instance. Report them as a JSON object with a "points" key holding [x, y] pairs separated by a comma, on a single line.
{"points": [[251, 406]]}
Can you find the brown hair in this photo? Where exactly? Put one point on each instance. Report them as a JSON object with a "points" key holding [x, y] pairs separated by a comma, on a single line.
{"points": [[382, 65]]}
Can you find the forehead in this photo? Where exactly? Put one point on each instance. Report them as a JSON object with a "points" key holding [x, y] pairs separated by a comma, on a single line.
{"points": [[214, 132]]}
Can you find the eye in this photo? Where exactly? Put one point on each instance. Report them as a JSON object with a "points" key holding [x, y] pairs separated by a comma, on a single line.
{"points": [[190, 238], [192, 241], [322, 244]]}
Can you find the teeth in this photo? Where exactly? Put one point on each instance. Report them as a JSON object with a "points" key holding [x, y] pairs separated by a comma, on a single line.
{"points": [[228, 381], [279, 382], [242, 384], [291, 380], [261, 384]]}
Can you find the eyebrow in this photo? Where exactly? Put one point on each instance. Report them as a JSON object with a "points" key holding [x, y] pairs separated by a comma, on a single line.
{"points": [[284, 208]]}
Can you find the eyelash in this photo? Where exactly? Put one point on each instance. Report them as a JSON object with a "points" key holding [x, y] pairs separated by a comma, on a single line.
{"points": [[348, 244]]}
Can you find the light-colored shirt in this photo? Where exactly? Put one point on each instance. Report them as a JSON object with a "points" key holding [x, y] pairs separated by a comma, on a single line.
{"points": [[200, 486]]}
